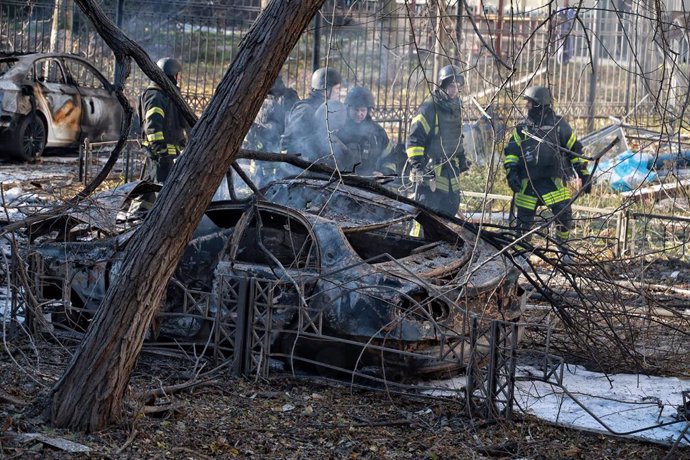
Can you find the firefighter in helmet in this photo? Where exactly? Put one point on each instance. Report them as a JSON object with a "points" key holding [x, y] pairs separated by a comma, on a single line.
{"points": [[300, 124], [370, 152], [163, 128], [269, 125], [434, 145], [163, 133], [540, 157]]}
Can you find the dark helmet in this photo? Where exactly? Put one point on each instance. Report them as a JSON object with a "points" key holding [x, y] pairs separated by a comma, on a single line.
{"points": [[359, 96], [325, 78], [278, 86], [448, 74], [540, 95], [170, 67]]}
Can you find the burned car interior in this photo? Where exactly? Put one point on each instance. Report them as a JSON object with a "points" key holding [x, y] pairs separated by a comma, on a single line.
{"points": [[315, 275]]}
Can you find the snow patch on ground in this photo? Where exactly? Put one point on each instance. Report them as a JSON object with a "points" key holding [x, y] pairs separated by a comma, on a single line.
{"points": [[633, 405]]}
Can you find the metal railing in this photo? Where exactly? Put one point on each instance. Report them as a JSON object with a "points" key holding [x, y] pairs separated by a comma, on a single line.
{"points": [[127, 168], [618, 232], [392, 48]]}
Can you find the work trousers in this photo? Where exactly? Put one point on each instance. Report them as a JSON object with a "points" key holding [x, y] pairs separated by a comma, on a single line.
{"points": [[550, 192]]}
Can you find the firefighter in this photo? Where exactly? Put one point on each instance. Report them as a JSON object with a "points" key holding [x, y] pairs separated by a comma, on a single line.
{"points": [[540, 157], [434, 145], [370, 152], [300, 125], [269, 125], [163, 128], [163, 134]]}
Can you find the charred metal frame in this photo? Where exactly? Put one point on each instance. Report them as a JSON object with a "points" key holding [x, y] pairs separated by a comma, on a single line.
{"points": [[243, 325]]}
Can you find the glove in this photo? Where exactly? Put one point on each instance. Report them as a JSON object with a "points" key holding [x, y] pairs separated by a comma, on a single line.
{"points": [[464, 165], [586, 185], [514, 181], [416, 172]]}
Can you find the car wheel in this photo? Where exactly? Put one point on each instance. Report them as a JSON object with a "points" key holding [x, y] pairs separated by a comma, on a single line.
{"points": [[31, 138]]}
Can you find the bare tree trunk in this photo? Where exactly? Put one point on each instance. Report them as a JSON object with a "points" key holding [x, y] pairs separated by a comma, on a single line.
{"points": [[90, 393]]}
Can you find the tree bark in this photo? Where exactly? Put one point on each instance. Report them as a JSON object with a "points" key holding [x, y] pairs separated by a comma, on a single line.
{"points": [[90, 393]]}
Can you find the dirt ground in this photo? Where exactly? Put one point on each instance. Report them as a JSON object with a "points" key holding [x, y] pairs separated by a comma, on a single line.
{"points": [[222, 416], [283, 417]]}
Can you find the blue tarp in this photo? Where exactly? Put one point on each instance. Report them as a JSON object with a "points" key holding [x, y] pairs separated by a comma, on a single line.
{"points": [[629, 170]]}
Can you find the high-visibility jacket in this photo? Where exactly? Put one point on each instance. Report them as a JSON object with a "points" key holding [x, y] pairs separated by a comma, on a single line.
{"points": [[436, 134], [163, 128], [546, 148]]}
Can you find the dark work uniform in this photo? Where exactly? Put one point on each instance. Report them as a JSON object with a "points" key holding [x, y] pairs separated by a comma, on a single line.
{"points": [[300, 126], [543, 168], [269, 125], [368, 145], [436, 135], [163, 132]]}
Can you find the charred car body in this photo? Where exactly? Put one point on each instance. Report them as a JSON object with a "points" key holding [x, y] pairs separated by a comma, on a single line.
{"points": [[351, 288], [53, 100]]}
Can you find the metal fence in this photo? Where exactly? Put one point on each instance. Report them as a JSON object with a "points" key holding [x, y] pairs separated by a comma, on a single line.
{"points": [[601, 232], [599, 62]]}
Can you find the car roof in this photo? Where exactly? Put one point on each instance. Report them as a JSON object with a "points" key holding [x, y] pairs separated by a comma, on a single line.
{"points": [[24, 61], [345, 205]]}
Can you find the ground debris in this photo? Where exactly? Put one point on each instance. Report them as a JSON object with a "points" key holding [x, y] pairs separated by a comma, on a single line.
{"points": [[59, 443]]}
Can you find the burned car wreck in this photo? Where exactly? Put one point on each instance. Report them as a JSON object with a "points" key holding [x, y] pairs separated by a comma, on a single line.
{"points": [[312, 273], [53, 100]]}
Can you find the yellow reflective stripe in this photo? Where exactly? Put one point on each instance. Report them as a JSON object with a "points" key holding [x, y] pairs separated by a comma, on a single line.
{"points": [[455, 183], [153, 111], [158, 136], [442, 184], [387, 150], [415, 151], [436, 125], [516, 138], [437, 170], [571, 141], [421, 119], [525, 201], [510, 159], [172, 150], [556, 197], [416, 229], [563, 235]]}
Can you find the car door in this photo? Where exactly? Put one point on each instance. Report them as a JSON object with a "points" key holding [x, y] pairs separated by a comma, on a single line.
{"points": [[59, 102], [272, 243], [101, 111]]}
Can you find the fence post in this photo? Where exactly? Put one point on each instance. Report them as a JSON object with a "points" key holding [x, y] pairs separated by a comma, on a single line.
{"points": [[591, 105], [316, 55], [119, 13], [84, 158]]}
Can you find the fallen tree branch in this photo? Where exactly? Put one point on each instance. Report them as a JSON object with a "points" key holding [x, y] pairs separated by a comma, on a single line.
{"points": [[12, 399], [165, 391]]}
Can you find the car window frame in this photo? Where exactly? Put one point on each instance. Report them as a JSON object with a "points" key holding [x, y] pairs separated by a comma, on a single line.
{"points": [[243, 225], [107, 86], [34, 75]]}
